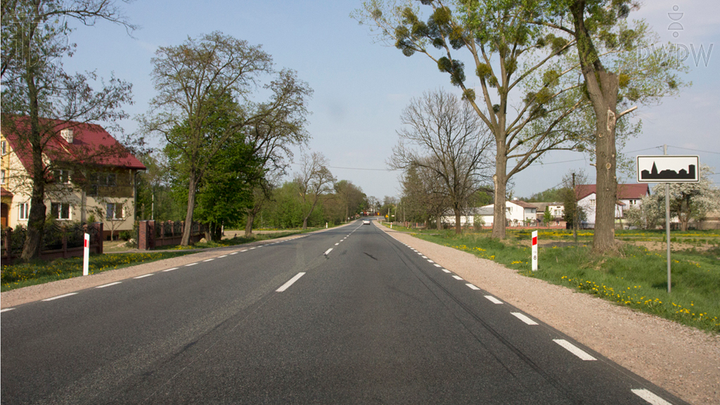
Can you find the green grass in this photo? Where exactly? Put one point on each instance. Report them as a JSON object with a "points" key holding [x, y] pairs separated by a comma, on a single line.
{"points": [[637, 278], [239, 240], [39, 271]]}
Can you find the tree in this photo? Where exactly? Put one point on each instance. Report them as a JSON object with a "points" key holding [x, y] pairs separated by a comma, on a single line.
{"points": [[599, 29], [313, 180], [513, 60], [453, 146], [424, 194], [36, 89], [190, 78], [688, 202], [350, 196], [547, 216], [572, 213]]}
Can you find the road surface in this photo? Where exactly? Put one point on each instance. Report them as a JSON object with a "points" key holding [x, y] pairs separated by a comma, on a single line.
{"points": [[344, 316]]}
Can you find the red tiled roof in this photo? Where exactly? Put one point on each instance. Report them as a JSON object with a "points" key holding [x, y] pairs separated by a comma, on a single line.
{"points": [[624, 191], [522, 204], [91, 145], [5, 193]]}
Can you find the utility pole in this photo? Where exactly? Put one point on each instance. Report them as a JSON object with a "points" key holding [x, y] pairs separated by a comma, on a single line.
{"points": [[575, 210], [667, 226]]}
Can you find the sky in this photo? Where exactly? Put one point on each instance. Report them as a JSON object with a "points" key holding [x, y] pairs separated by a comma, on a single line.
{"points": [[361, 86]]}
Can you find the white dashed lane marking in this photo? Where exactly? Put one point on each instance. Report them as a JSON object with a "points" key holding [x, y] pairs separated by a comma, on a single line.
{"points": [[143, 276], [524, 318], [290, 282], [108, 285], [59, 296], [171, 269], [472, 286], [6, 309], [457, 277], [493, 299], [650, 397], [574, 349]]}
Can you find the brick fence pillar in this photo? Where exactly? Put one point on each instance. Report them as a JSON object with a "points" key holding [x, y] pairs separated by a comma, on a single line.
{"points": [[146, 235]]}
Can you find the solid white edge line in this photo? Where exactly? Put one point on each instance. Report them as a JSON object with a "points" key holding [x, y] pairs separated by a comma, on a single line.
{"points": [[108, 285], [574, 349], [6, 309], [472, 286], [493, 299], [171, 269], [143, 276], [456, 277], [524, 318], [59, 296], [290, 282], [650, 397]]}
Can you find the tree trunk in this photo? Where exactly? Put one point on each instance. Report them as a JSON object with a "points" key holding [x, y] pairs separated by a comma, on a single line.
{"points": [[36, 219], [458, 227], [500, 180], [249, 223], [185, 241], [605, 169]]}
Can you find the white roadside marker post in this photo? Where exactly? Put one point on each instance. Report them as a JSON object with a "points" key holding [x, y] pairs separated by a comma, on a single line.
{"points": [[86, 255], [534, 251]]}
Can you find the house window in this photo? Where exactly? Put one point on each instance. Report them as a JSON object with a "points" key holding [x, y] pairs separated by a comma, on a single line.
{"points": [[93, 190], [62, 176], [112, 179], [4, 147], [114, 211], [60, 210], [23, 211], [2, 176]]}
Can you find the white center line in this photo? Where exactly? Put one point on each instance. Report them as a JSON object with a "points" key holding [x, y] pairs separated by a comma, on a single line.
{"points": [[144, 275], [493, 299], [457, 277], [6, 309], [171, 269], [524, 318], [108, 285], [290, 282], [337, 243], [650, 397], [472, 287], [574, 349], [327, 252], [59, 296]]}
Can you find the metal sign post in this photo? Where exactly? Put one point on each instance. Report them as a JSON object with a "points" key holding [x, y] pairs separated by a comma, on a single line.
{"points": [[668, 169]]}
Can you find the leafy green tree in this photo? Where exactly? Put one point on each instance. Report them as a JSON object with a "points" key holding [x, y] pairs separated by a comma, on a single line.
{"points": [[547, 216], [616, 74], [350, 196], [190, 77], [36, 88], [513, 61]]}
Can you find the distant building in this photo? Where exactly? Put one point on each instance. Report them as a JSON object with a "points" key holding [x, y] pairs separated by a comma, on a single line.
{"points": [[628, 195]]}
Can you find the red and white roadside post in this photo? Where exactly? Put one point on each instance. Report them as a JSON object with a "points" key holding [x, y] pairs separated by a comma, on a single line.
{"points": [[534, 251], [86, 255]]}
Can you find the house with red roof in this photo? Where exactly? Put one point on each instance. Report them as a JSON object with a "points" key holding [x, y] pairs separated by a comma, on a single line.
{"points": [[90, 175], [628, 195]]}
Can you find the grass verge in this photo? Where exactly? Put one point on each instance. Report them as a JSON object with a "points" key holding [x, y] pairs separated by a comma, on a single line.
{"points": [[637, 278], [39, 272]]}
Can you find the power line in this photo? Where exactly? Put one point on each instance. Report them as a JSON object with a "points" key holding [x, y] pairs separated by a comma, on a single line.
{"points": [[695, 150]]}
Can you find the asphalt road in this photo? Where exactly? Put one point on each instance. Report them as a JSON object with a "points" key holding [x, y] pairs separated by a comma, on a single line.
{"points": [[345, 316]]}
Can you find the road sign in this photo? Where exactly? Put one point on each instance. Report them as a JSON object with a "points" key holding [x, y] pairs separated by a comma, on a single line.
{"points": [[668, 169]]}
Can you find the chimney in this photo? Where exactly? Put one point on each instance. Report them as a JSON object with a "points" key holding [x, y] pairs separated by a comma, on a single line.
{"points": [[67, 134]]}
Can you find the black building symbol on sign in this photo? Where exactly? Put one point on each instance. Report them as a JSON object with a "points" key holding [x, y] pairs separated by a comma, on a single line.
{"points": [[668, 174]]}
